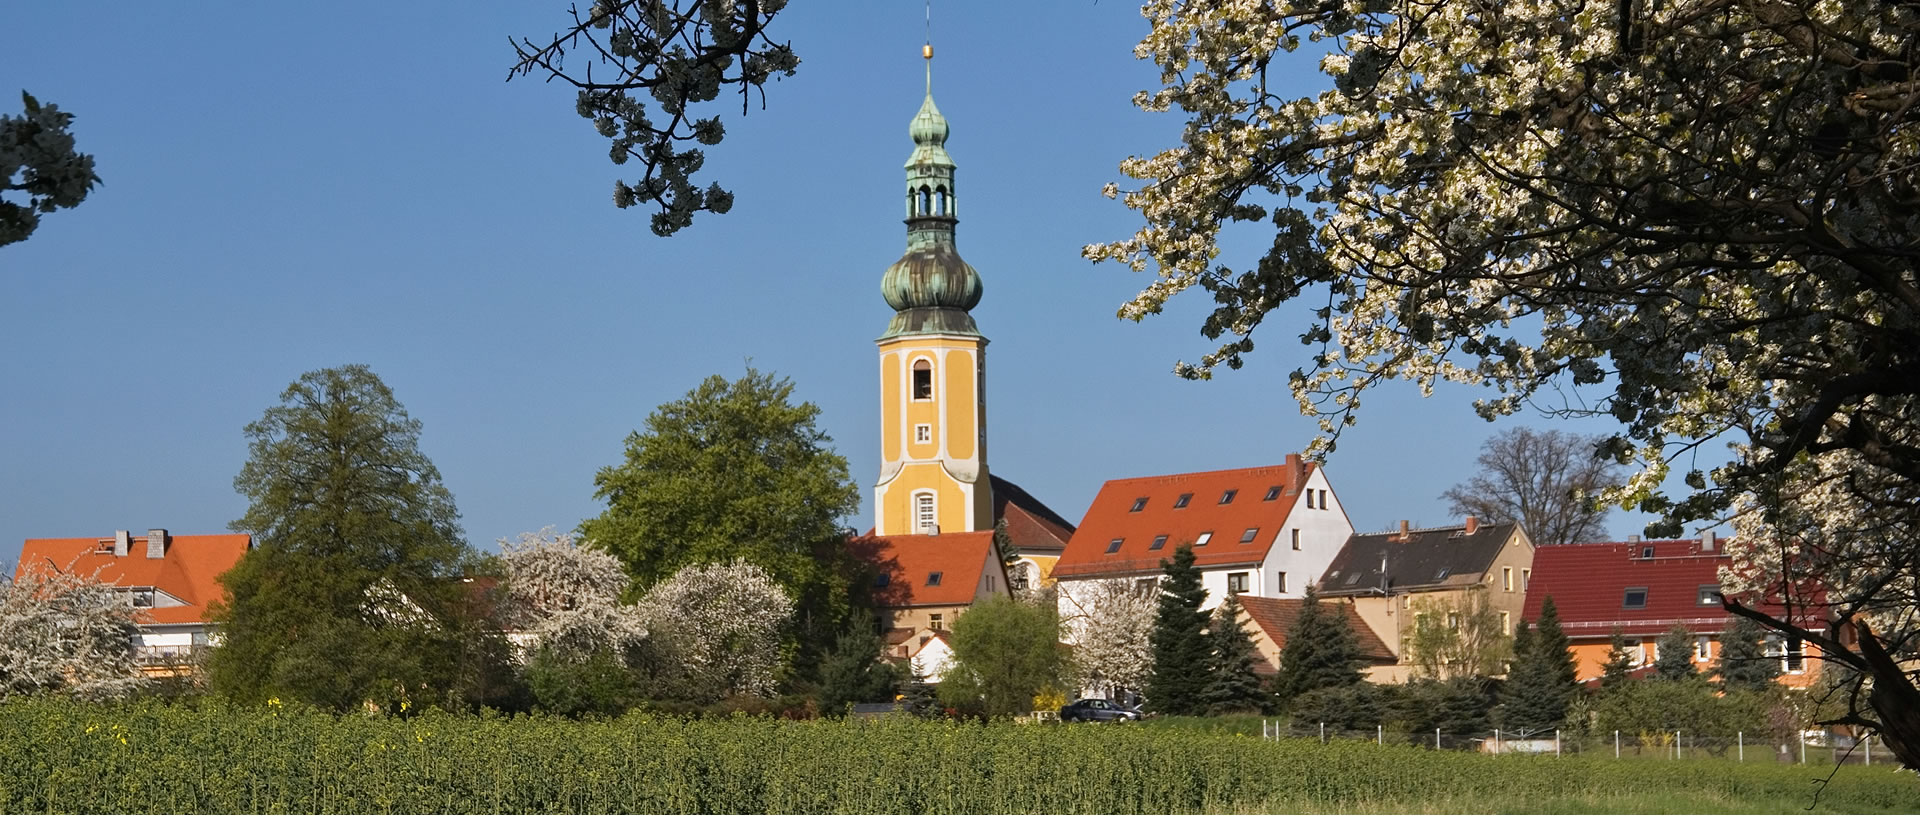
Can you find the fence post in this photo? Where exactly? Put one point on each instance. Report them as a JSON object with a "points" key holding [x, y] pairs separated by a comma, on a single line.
{"points": [[1379, 735], [1803, 746], [1676, 743], [1323, 733], [1556, 742], [1616, 743], [1496, 740], [1742, 737], [1869, 739], [1436, 739]]}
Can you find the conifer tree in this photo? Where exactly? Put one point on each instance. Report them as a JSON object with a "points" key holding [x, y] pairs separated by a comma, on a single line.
{"points": [[1541, 683], [1618, 669], [1231, 687], [1180, 647], [1744, 662], [1675, 660], [1321, 650]]}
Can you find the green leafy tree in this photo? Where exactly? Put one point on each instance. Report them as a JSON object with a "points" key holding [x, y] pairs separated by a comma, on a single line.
{"points": [[1744, 662], [1618, 670], [1004, 653], [1675, 658], [1180, 648], [1321, 650], [1458, 636], [1231, 686], [736, 469], [599, 684], [351, 595], [37, 159], [853, 672], [679, 54]]}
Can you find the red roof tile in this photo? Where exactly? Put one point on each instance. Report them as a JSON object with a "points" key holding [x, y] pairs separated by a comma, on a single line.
{"points": [[906, 562], [189, 570], [1276, 616], [1589, 581], [1112, 517], [1032, 525]]}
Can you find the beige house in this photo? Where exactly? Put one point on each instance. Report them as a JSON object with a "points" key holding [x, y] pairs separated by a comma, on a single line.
{"points": [[923, 582], [1392, 577]]}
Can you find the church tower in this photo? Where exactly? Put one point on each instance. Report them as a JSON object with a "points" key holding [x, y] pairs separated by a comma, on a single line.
{"points": [[933, 407]]}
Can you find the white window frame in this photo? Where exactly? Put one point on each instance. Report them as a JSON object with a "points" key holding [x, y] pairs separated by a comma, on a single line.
{"points": [[923, 433], [1506, 622], [926, 511], [933, 389], [1244, 579], [1506, 578], [1702, 649]]}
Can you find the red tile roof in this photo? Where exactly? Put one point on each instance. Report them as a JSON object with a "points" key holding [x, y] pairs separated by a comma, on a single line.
{"points": [[188, 571], [905, 563], [1112, 517], [1588, 583], [1032, 525], [1276, 616]]}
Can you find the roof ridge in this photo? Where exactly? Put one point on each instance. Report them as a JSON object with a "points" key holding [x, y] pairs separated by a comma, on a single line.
{"points": [[1258, 470]]}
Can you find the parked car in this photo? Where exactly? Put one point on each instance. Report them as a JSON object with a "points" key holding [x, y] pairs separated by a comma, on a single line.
{"points": [[1097, 710]]}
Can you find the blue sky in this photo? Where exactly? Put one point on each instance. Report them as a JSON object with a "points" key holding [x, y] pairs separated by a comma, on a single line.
{"points": [[295, 186]]}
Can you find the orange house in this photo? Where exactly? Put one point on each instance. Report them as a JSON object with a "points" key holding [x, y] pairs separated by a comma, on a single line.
{"points": [[1642, 589]]}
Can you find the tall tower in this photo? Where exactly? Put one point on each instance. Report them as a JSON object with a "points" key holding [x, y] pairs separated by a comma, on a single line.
{"points": [[933, 407]]}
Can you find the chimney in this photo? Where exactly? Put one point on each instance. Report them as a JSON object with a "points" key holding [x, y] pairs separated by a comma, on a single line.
{"points": [[1472, 524], [1707, 541], [1633, 539], [1405, 530], [156, 544], [122, 541], [1296, 474]]}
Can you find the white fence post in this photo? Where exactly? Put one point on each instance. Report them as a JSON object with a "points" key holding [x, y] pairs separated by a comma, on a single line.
{"points": [[1323, 733], [1556, 742], [1803, 746], [1496, 740], [1676, 743], [1869, 750], [1742, 737], [1379, 735], [1616, 743], [1436, 739]]}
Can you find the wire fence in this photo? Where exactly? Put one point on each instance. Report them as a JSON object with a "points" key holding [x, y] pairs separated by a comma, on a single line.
{"points": [[1760, 745]]}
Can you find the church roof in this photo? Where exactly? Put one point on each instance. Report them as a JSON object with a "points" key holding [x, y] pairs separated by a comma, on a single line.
{"points": [[1033, 526]]}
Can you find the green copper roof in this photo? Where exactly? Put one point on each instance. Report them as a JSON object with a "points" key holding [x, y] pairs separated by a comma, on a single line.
{"points": [[930, 288]]}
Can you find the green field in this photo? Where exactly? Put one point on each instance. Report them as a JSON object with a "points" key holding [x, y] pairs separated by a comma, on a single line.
{"points": [[71, 757]]}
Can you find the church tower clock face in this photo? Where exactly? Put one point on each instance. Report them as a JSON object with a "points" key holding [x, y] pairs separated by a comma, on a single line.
{"points": [[933, 428]]}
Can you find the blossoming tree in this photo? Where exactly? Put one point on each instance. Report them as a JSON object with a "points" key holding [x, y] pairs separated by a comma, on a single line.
{"points": [[1698, 217], [65, 633]]}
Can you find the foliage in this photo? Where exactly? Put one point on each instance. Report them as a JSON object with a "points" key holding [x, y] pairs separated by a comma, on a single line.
{"points": [[1457, 706], [598, 683], [1350, 707], [1457, 636], [568, 598], [69, 758], [1695, 217], [37, 158], [1542, 681], [1111, 625], [1673, 659], [681, 54], [1321, 651], [1621, 662], [713, 632], [351, 595], [853, 671], [65, 633], [1744, 663], [914, 695], [1653, 708], [1231, 685], [737, 470], [1178, 641], [1004, 653], [1546, 480]]}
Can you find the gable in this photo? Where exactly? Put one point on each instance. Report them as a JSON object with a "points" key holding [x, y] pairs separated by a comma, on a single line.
{"points": [[188, 572], [1136, 513], [904, 567]]}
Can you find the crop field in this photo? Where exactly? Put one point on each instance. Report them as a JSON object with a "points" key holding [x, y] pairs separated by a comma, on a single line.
{"points": [[150, 757]]}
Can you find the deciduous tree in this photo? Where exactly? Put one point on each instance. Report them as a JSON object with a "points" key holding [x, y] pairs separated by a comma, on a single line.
{"points": [[1458, 637], [1546, 480], [1005, 652], [65, 633], [1696, 217], [38, 160], [1111, 624], [351, 595], [713, 631], [678, 54]]}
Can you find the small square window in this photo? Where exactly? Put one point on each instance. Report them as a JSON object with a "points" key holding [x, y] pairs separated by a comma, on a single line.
{"points": [[1636, 598], [933, 579], [1709, 594], [1247, 537], [935, 621], [1272, 493], [1236, 582], [1227, 497], [1296, 538], [923, 433], [1203, 539], [1159, 541], [143, 598], [880, 581], [1114, 545], [1353, 579], [1144, 586], [1182, 501], [1139, 504], [1647, 551]]}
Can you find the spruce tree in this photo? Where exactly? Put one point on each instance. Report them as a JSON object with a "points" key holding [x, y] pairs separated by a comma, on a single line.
{"points": [[1744, 662], [1321, 650], [1180, 648], [1675, 661], [1555, 649], [1542, 682], [1618, 669], [1231, 687]]}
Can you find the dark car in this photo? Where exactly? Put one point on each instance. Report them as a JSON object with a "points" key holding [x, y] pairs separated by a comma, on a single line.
{"points": [[1096, 710]]}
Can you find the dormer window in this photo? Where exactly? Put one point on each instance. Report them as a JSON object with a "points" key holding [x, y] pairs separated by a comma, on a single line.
{"points": [[142, 598], [922, 379], [1646, 552], [1139, 504], [1709, 594], [1227, 497], [1182, 501], [1272, 493]]}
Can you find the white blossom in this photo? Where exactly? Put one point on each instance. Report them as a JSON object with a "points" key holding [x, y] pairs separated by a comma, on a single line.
{"points": [[66, 633], [715, 630]]}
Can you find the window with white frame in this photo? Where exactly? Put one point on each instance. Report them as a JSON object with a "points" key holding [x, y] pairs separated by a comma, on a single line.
{"points": [[922, 379], [935, 621], [1203, 539], [1702, 649], [1506, 578], [1236, 582], [1506, 622], [925, 514], [923, 433]]}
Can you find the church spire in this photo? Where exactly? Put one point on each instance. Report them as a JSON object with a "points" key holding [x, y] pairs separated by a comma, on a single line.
{"points": [[930, 288]]}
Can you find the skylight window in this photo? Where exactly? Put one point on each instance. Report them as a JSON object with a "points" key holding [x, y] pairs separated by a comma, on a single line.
{"points": [[1227, 497], [1272, 493], [1247, 537], [1635, 598], [1114, 545], [1353, 579], [1158, 542], [1442, 574], [1203, 539], [1182, 501], [1647, 551], [1139, 504], [933, 579]]}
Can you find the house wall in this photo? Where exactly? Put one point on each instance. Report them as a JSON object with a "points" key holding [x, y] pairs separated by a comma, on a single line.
{"points": [[920, 618], [1323, 531], [1590, 659], [1392, 616]]}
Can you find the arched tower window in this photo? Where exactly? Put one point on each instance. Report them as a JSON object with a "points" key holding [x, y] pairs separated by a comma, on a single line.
{"points": [[922, 379], [926, 517], [940, 201], [925, 201]]}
